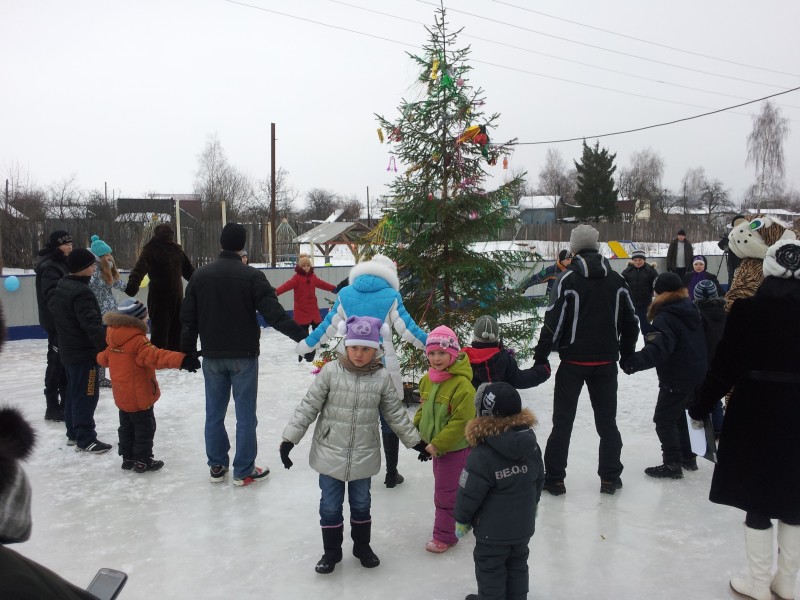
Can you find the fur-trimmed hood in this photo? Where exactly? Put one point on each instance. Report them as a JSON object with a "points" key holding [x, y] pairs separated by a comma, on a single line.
{"points": [[17, 440], [379, 266], [488, 430], [115, 319], [121, 328], [664, 299]]}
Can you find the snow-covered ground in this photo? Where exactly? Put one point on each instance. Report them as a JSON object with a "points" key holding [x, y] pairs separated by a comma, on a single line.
{"points": [[179, 536]]}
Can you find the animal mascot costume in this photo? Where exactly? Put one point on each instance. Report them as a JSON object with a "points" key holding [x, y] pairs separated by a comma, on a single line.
{"points": [[749, 240]]}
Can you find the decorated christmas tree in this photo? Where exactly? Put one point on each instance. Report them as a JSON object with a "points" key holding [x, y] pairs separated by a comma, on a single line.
{"points": [[441, 216]]}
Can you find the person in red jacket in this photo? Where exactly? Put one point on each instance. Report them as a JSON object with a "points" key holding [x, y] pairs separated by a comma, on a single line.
{"points": [[132, 361], [305, 284]]}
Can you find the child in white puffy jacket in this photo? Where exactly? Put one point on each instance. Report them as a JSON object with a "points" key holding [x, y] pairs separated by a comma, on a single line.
{"points": [[344, 400]]}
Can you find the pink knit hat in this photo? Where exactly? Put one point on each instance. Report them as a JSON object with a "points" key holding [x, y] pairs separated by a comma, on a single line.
{"points": [[443, 338]]}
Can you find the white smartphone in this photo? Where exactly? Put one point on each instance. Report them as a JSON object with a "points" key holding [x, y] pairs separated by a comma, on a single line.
{"points": [[107, 584]]}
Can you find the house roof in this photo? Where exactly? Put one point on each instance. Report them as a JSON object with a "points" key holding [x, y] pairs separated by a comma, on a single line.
{"points": [[536, 203], [329, 233]]}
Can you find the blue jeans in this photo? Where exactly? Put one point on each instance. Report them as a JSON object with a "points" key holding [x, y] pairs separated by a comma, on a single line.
{"points": [[331, 504], [81, 402], [222, 374]]}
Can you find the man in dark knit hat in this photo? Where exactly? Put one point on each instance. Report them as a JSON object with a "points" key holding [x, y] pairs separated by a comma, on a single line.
{"points": [[81, 336], [50, 267], [679, 254], [220, 307]]}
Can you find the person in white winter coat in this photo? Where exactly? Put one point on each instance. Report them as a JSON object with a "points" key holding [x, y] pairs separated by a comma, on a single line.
{"points": [[344, 400]]}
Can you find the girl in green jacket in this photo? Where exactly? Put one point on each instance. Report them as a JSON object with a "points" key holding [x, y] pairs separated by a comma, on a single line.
{"points": [[447, 405]]}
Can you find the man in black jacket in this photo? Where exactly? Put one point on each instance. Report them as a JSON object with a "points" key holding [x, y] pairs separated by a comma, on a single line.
{"points": [[590, 320], [220, 306], [640, 278], [50, 267], [81, 336]]}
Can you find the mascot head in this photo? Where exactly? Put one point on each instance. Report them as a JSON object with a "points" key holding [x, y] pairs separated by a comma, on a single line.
{"points": [[751, 237]]}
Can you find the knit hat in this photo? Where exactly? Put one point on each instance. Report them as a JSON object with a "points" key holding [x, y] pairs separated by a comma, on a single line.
{"points": [[363, 331], [17, 440], [58, 238], [584, 237], [705, 290], [638, 254], [79, 259], [443, 338], [304, 260], [783, 260], [99, 247], [133, 308], [667, 282], [486, 329], [681, 232], [499, 399], [564, 255], [163, 231], [233, 237], [700, 258]]}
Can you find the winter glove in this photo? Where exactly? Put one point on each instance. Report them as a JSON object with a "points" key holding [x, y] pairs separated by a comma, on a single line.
{"points": [[130, 290], [310, 356], [286, 447], [626, 363], [423, 454], [542, 365], [698, 424], [462, 529], [542, 372], [420, 446], [190, 363]]}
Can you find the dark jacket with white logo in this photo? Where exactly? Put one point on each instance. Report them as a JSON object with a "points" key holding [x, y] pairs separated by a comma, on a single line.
{"points": [[501, 485], [590, 317]]}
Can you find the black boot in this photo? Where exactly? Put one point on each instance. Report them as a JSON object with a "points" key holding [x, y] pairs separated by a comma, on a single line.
{"points": [[360, 532], [332, 543], [54, 412], [391, 445]]}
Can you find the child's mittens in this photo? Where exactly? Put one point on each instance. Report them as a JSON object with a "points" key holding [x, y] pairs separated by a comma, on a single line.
{"points": [[462, 529], [423, 453], [286, 447], [190, 363]]}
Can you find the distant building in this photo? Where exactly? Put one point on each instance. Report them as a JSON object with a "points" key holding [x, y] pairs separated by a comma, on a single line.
{"points": [[538, 210]]}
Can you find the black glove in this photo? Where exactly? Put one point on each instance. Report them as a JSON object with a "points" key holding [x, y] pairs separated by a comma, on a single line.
{"points": [[420, 447], [310, 356], [190, 363], [423, 454], [627, 364], [286, 447], [130, 290]]}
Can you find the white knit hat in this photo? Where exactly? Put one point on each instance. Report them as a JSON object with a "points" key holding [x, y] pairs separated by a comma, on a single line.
{"points": [[584, 237]]}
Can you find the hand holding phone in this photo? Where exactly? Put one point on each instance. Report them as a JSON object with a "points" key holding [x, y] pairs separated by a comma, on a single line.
{"points": [[107, 584]]}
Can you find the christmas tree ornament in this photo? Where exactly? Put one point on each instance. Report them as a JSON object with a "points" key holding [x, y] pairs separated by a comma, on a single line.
{"points": [[392, 164], [473, 215], [469, 133], [505, 162], [430, 196], [435, 69], [460, 82], [396, 135], [380, 134]]}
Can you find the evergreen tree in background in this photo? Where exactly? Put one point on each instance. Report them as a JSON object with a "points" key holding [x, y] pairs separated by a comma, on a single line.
{"points": [[596, 194], [440, 209]]}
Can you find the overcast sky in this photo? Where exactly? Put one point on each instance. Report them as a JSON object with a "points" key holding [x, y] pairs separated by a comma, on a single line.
{"points": [[128, 92]]}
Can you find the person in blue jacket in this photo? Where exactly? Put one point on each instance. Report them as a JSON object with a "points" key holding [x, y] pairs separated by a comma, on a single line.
{"points": [[549, 274], [374, 291]]}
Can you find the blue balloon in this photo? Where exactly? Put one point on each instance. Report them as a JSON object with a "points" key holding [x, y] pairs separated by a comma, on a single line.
{"points": [[11, 283]]}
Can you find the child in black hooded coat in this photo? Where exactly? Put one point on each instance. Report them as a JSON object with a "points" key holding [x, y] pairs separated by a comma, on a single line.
{"points": [[499, 490], [676, 347]]}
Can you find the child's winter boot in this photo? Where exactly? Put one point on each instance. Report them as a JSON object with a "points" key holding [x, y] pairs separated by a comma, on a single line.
{"points": [[391, 446], [361, 532], [788, 561], [758, 547], [332, 544]]}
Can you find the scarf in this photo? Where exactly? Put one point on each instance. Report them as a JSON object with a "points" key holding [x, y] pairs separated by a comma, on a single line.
{"points": [[437, 376], [370, 367]]}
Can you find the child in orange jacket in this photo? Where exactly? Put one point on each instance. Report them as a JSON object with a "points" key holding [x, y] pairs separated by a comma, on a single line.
{"points": [[132, 361], [305, 284]]}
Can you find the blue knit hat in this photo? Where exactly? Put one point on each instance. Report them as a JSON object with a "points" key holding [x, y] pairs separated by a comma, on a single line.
{"points": [[99, 247], [705, 290], [133, 308]]}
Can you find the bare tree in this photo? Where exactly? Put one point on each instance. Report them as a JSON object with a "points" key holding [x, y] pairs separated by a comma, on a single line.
{"points": [[320, 204], [64, 197], [714, 199], [553, 179], [217, 180], [285, 195], [765, 151], [640, 183], [351, 207], [692, 186]]}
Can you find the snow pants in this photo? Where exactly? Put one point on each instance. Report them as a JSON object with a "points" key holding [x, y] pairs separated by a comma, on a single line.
{"points": [[501, 570]]}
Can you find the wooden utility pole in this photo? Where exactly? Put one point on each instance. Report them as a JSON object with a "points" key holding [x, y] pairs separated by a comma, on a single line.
{"points": [[272, 204], [369, 218]]}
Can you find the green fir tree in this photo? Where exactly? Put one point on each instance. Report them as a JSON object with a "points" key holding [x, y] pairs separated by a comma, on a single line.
{"points": [[441, 211], [596, 195]]}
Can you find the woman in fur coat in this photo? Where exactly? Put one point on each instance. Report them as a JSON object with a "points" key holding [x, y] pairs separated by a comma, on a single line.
{"points": [[165, 263], [758, 468]]}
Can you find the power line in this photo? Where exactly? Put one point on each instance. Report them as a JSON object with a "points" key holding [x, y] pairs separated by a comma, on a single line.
{"points": [[604, 49], [553, 56], [657, 124], [652, 43]]}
